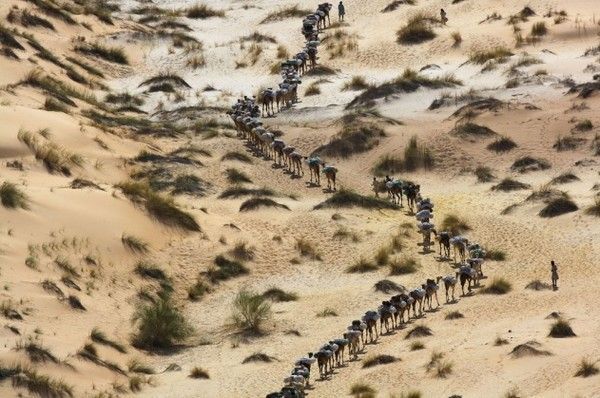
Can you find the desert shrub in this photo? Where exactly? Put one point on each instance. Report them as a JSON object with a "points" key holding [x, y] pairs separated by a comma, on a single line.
{"points": [[198, 290], [198, 373], [382, 256], [239, 156], [356, 83], [288, 12], [354, 137], [100, 337], [345, 198], [484, 174], [495, 255], [225, 269], [279, 296], [256, 203], [564, 178], [36, 352], [457, 38], [403, 265], [417, 29], [313, 89], [202, 11], [111, 54], [362, 266], [560, 329], [236, 176], [259, 357], [12, 197], [508, 185], [419, 331], [386, 286], [40, 385], [528, 163], [587, 368], [454, 224], [502, 144], [149, 270], [239, 191], [500, 341], [497, 286], [416, 346], [539, 29], [136, 366], [135, 244], [160, 325], [53, 105], [538, 285], [453, 315], [483, 56], [417, 156], [557, 207], [327, 312], [250, 311], [307, 249], [163, 208], [594, 210], [380, 359], [362, 390], [472, 130], [584, 125]]}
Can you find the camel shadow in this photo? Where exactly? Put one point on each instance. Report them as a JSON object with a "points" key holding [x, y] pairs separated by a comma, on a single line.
{"points": [[425, 251], [276, 166], [328, 190], [294, 176], [434, 310], [442, 259], [311, 185]]}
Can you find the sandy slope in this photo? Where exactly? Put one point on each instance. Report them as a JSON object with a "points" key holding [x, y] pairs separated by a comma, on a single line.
{"points": [[78, 223]]}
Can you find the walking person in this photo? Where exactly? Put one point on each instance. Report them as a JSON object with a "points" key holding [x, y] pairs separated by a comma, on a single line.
{"points": [[554, 272], [341, 12], [443, 17]]}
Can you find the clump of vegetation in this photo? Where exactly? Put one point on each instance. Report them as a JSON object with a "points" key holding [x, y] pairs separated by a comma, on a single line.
{"points": [[307, 249], [560, 329], [557, 207], [564, 178], [417, 30], [584, 125], [135, 244], [163, 208], [381, 359], [454, 224], [239, 156], [594, 210], [250, 311], [236, 176], [339, 43], [508, 185], [483, 56], [528, 163], [539, 29], [473, 130], [38, 384], [403, 265], [356, 83], [313, 89], [100, 337], [149, 270], [345, 198], [453, 315], [568, 143], [362, 266], [55, 158], [362, 390], [198, 373], [500, 341], [225, 269], [256, 203], [327, 312], [258, 357], [354, 137], [288, 12], [279, 296], [416, 346], [497, 286], [160, 325], [12, 197], [457, 38], [198, 290], [419, 331], [587, 368], [416, 157], [495, 255], [538, 285], [484, 174], [386, 286], [112, 54], [202, 11]]}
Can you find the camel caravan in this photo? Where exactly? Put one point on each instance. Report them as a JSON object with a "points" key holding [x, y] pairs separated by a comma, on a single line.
{"points": [[398, 310], [246, 112]]}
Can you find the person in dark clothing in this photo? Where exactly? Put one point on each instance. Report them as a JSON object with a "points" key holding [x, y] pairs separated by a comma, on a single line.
{"points": [[554, 272], [443, 17], [341, 12]]}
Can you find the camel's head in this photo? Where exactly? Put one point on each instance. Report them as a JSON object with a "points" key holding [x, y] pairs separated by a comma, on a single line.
{"points": [[438, 279], [310, 354]]}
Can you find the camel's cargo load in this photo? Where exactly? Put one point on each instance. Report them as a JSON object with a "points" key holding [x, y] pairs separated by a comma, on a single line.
{"points": [[329, 169], [419, 292], [371, 316], [426, 226], [424, 215]]}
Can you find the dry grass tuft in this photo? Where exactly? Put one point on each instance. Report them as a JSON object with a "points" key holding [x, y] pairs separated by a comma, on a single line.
{"points": [[12, 197], [497, 286]]}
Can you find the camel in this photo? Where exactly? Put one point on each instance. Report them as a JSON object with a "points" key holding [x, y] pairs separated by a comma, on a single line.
{"points": [[449, 285], [287, 151], [475, 264], [378, 186], [323, 362], [277, 146], [466, 275], [360, 326], [314, 166], [296, 161], [426, 229], [353, 337], [417, 295], [267, 100], [386, 313], [401, 307], [370, 318], [333, 348], [459, 246], [312, 56], [444, 242], [330, 173], [411, 191], [265, 144], [431, 289], [325, 7], [280, 98], [341, 343], [394, 189]]}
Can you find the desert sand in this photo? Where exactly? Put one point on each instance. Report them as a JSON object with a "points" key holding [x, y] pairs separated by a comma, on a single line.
{"points": [[82, 234]]}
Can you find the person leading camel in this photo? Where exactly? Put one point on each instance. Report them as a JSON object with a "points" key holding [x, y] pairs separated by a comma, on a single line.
{"points": [[341, 12]]}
